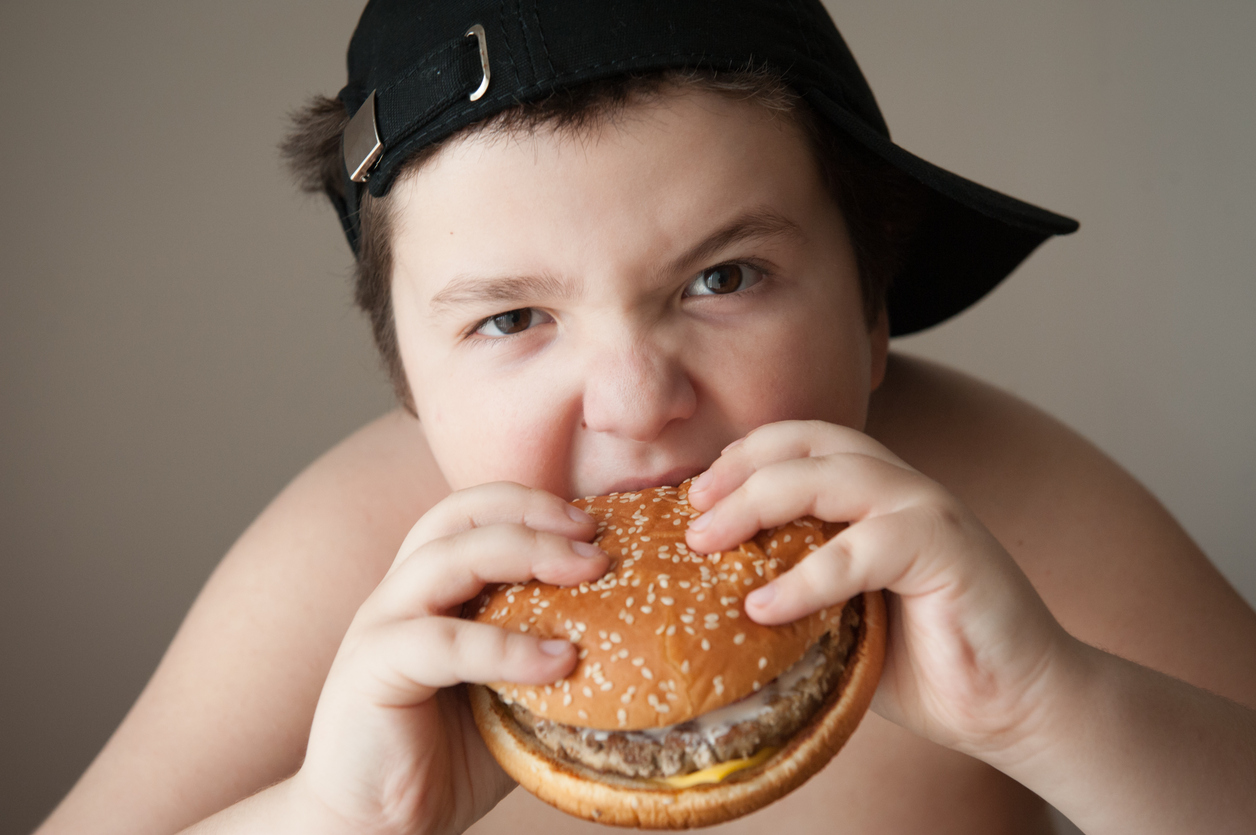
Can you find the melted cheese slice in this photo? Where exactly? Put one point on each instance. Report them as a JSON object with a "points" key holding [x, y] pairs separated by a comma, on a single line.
{"points": [[719, 772]]}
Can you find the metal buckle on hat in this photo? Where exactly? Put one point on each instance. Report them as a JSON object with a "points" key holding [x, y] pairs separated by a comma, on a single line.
{"points": [[482, 40], [362, 148]]}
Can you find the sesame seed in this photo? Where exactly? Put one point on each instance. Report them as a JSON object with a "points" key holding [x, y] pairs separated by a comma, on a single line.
{"points": [[582, 714], [733, 613], [566, 699], [755, 686], [667, 601], [763, 662], [615, 638], [645, 610], [671, 630], [739, 638], [588, 692], [523, 627], [706, 644], [623, 716], [718, 681], [637, 662], [684, 666], [645, 671], [605, 646], [606, 685]]}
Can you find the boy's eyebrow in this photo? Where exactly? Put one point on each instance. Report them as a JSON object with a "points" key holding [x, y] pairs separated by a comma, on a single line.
{"points": [[505, 290], [756, 223], [516, 290]]}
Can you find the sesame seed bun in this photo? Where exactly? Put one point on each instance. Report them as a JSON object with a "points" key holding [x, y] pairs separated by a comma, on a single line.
{"points": [[663, 638]]}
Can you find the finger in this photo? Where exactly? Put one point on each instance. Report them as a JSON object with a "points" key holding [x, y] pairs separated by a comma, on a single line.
{"points": [[403, 663], [775, 442], [500, 502], [879, 553], [453, 569], [842, 487]]}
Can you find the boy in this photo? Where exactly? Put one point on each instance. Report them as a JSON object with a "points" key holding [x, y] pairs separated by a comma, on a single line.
{"points": [[608, 295]]}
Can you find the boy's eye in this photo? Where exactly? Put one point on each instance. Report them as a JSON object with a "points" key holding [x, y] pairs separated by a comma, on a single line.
{"points": [[722, 280], [511, 322]]}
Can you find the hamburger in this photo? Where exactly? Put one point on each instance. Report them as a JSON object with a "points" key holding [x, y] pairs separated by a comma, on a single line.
{"points": [[681, 711]]}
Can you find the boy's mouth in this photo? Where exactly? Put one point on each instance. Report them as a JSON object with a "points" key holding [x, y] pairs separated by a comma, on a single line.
{"points": [[671, 478]]}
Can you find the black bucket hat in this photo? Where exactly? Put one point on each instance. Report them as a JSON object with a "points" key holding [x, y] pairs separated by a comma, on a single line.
{"points": [[420, 70]]}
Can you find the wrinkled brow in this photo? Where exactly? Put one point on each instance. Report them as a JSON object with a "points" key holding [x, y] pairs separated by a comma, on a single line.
{"points": [[518, 291], [505, 291], [752, 225]]}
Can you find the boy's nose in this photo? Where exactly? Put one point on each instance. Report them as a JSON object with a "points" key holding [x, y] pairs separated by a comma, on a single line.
{"points": [[635, 391]]}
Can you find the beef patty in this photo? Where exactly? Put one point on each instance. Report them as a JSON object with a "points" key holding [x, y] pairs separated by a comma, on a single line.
{"points": [[706, 741]]}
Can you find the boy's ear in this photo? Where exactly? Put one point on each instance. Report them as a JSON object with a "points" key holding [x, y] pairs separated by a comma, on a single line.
{"points": [[879, 342]]}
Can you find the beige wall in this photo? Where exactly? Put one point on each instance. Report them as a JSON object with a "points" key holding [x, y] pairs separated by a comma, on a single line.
{"points": [[177, 338]]}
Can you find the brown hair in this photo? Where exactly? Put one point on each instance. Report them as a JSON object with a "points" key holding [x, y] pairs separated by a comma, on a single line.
{"points": [[880, 204]]}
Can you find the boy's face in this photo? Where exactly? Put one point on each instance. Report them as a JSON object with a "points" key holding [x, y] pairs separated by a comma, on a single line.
{"points": [[607, 312]]}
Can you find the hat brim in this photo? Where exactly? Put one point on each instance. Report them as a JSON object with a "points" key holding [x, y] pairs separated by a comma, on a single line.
{"points": [[970, 238]]}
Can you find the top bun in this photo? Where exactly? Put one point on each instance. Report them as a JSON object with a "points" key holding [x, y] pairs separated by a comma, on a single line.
{"points": [[663, 636]]}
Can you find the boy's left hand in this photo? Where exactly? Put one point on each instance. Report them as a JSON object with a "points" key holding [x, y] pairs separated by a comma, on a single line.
{"points": [[972, 648]]}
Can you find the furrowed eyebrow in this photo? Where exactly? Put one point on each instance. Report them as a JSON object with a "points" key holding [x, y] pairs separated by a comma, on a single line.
{"points": [[508, 292], [758, 223]]}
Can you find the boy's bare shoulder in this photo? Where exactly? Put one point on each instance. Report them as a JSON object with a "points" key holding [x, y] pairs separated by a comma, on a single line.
{"points": [[1114, 566], [229, 707]]}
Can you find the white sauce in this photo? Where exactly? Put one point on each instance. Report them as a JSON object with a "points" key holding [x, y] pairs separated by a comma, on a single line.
{"points": [[713, 725]]}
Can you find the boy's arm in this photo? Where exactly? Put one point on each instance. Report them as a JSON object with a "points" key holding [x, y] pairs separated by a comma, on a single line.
{"points": [[229, 707], [1113, 566], [1119, 747], [1122, 747]]}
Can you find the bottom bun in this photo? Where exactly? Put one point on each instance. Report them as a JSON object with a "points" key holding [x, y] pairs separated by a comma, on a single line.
{"points": [[623, 801]]}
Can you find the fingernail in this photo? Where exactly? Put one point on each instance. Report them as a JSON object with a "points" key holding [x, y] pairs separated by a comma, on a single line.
{"points": [[586, 549], [701, 523], [761, 596], [702, 482], [733, 445], [578, 515], [554, 647]]}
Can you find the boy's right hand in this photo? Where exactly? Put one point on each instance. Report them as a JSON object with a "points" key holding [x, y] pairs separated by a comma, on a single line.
{"points": [[391, 749]]}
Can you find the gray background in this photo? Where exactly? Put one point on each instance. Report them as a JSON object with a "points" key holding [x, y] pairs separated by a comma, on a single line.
{"points": [[177, 338]]}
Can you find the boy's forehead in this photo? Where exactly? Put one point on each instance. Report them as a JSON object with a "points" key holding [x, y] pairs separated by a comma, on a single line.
{"points": [[647, 182]]}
